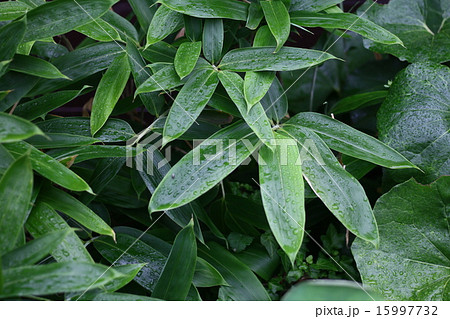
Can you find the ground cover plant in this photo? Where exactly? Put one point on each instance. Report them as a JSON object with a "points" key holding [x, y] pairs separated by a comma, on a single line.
{"points": [[224, 150]]}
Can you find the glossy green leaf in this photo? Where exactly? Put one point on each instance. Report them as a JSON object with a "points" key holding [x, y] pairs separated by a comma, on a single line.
{"points": [[10, 10], [338, 189], [49, 167], [414, 120], [11, 35], [210, 167], [109, 91], [255, 15], [229, 9], [117, 296], [346, 21], [6, 159], [203, 130], [313, 5], [129, 272], [59, 17], [243, 284], [206, 275], [412, 262], [65, 203], [55, 278], [163, 80], [193, 28], [176, 277], [44, 220], [60, 140], [34, 250], [152, 101], [329, 290], [15, 195], [126, 29], [186, 58], [164, 22], [159, 52], [17, 92], [282, 188], [277, 17], [129, 250], [357, 101], [144, 11], [84, 153], [258, 260], [99, 30], [347, 140], [275, 102], [255, 117], [14, 128], [256, 86], [422, 25], [35, 66], [213, 35], [189, 103], [263, 59], [42, 105]]}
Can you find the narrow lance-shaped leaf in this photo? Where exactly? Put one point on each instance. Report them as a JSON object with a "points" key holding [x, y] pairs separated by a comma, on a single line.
{"points": [[347, 21], [313, 5], [163, 80], [99, 30], [164, 22], [213, 40], [257, 84], [357, 101], [144, 11], [255, 15], [44, 220], [11, 35], [282, 191], [34, 250], [338, 189], [275, 102], [14, 128], [55, 278], [186, 58], [109, 91], [189, 103], [49, 167], [263, 59], [10, 10], [36, 67], [63, 202], [278, 20], [350, 141], [59, 17], [256, 118], [176, 277], [229, 9], [213, 160], [15, 195]]}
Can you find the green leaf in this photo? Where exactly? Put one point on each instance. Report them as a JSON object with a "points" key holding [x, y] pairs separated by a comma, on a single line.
{"points": [[84, 153], [255, 15], [347, 140], [126, 29], [176, 277], [163, 80], [11, 35], [193, 28], [129, 271], [60, 140], [44, 220], [130, 250], [338, 189], [412, 262], [243, 284], [5, 160], [357, 101], [55, 278], [313, 5], [35, 66], [256, 257], [189, 103], [10, 10], [275, 102], [16, 186], [109, 91], [117, 296], [59, 17], [263, 59], [282, 191], [144, 11], [329, 290], [42, 105], [213, 35], [206, 275], [114, 130], [255, 117], [34, 250], [153, 101], [49, 167], [164, 22], [210, 167], [422, 25], [238, 242], [99, 30], [65, 203], [228, 9], [277, 17], [14, 128], [346, 21], [414, 120], [186, 58], [159, 52]]}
